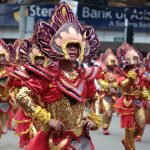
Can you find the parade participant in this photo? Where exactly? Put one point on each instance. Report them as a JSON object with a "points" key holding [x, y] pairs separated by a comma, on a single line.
{"points": [[108, 91], [130, 105], [29, 54], [63, 89], [13, 90], [7, 56], [146, 85], [146, 91]]}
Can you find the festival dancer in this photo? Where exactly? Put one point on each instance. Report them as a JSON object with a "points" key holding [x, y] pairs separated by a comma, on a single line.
{"points": [[145, 92], [108, 91], [146, 84], [30, 55], [63, 89], [130, 105], [13, 90], [7, 56]]}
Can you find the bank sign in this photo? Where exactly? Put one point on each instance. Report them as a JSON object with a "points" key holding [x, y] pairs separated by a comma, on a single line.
{"points": [[114, 17], [100, 17]]}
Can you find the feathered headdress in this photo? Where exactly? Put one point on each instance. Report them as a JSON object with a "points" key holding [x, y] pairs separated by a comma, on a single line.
{"points": [[108, 57], [147, 59], [52, 37], [29, 50], [8, 51], [126, 53], [16, 46]]}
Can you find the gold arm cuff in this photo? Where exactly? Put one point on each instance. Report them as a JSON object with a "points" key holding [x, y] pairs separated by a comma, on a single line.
{"points": [[145, 93], [132, 74], [148, 98], [115, 84], [103, 83], [96, 119], [38, 109], [41, 116]]}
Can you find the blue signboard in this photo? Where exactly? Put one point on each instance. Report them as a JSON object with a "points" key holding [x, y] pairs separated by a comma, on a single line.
{"points": [[99, 17], [113, 17], [9, 15], [41, 12]]}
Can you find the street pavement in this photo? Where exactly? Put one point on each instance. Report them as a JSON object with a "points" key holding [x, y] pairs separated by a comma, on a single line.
{"points": [[101, 142]]}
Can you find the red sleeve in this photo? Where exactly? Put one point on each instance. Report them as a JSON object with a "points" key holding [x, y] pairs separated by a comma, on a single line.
{"points": [[91, 88], [101, 75], [15, 83], [36, 84], [119, 79]]}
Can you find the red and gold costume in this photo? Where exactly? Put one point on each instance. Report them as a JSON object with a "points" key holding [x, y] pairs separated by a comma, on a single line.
{"points": [[25, 128], [108, 92], [146, 80], [130, 105], [8, 54], [15, 75], [146, 89], [17, 82], [62, 94]]}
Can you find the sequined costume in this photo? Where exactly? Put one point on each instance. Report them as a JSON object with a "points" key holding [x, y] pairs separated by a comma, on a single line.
{"points": [[62, 94], [130, 105], [145, 91], [13, 88], [146, 79], [7, 55], [16, 75], [108, 92], [25, 128]]}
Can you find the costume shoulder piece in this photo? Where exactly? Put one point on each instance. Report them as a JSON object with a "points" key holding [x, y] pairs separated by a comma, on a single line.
{"points": [[52, 37]]}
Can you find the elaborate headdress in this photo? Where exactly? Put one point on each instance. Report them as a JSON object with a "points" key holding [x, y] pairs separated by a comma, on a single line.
{"points": [[29, 51], [8, 51], [52, 37], [126, 54], [108, 57], [147, 59], [16, 46]]}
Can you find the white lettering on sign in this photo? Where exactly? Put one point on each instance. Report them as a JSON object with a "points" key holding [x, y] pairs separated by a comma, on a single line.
{"points": [[36, 10], [119, 15], [134, 15], [93, 13], [144, 25], [111, 24], [141, 15]]}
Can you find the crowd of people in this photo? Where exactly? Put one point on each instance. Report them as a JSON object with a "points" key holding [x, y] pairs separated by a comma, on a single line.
{"points": [[46, 82]]}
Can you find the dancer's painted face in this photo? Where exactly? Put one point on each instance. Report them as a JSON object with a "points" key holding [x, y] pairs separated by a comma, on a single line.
{"points": [[73, 50], [2, 59], [39, 60], [132, 58]]}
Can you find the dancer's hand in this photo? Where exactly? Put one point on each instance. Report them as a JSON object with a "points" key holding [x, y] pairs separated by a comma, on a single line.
{"points": [[112, 90], [89, 123], [56, 125]]}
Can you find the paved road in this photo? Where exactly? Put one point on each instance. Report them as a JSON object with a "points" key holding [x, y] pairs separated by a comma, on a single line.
{"points": [[111, 142]]}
